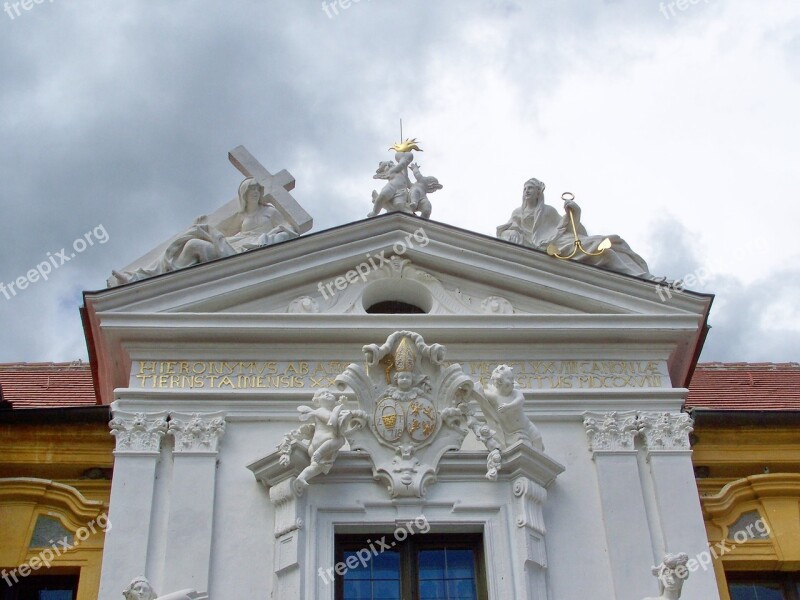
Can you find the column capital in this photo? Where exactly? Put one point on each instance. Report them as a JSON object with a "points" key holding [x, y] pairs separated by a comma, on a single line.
{"points": [[138, 433], [666, 431], [612, 431], [197, 432]]}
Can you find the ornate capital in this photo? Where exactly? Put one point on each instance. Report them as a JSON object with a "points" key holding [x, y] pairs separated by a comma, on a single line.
{"points": [[666, 431], [197, 432], [611, 432], [138, 433]]}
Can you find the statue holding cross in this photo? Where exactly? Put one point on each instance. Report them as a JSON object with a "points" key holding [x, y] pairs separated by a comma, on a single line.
{"points": [[264, 213]]}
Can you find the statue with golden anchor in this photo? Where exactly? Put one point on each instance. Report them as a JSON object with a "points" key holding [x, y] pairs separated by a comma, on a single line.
{"points": [[539, 225]]}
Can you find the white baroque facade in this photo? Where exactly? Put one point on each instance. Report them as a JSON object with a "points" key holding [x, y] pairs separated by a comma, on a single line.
{"points": [[207, 367]]}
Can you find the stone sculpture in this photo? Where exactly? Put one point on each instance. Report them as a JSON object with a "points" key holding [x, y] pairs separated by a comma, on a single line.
{"points": [[399, 195], [417, 408], [538, 225], [503, 405], [140, 589], [671, 574], [325, 435], [257, 223]]}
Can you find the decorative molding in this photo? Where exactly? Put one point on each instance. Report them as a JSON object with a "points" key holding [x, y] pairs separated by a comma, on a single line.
{"points": [[510, 511], [414, 410], [617, 431], [64, 499], [752, 489], [197, 432], [611, 432], [138, 433], [303, 305], [497, 305], [528, 507], [666, 431]]}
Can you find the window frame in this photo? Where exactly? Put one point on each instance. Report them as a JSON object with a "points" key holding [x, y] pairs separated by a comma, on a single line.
{"points": [[32, 582], [790, 580], [409, 555]]}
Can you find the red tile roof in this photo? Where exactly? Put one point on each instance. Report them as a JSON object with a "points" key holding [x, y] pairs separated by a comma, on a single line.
{"points": [[745, 386], [47, 385]]}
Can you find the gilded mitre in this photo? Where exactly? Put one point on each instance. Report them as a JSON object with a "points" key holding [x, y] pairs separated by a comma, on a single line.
{"points": [[405, 357]]}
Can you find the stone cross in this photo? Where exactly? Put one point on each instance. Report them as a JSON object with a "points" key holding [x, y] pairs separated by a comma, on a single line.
{"points": [[276, 188]]}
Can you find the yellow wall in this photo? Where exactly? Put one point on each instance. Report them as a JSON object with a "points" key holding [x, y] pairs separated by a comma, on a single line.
{"points": [[750, 469], [40, 474]]}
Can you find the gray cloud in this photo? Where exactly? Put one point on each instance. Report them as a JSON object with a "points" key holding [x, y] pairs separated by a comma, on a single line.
{"points": [[122, 115]]}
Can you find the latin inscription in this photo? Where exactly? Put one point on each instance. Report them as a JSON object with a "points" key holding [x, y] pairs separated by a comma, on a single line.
{"points": [[282, 375]]}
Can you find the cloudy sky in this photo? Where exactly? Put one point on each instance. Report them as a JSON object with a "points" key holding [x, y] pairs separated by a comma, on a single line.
{"points": [[675, 126]]}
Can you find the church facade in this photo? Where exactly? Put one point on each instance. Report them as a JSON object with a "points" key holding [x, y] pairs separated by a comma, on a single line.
{"points": [[399, 408]]}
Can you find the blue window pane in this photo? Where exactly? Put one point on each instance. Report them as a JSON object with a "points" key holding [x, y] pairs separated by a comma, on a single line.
{"points": [[460, 564], [461, 589], [755, 591], [386, 565], [431, 564], [358, 572], [357, 590], [432, 590], [55, 595], [386, 590]]}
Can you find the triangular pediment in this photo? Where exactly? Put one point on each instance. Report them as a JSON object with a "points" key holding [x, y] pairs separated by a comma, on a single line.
{"points": [[441, 269], [321, 288]]}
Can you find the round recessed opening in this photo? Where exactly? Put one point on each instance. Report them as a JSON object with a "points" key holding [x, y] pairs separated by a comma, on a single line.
{"points": [[397, 296]]}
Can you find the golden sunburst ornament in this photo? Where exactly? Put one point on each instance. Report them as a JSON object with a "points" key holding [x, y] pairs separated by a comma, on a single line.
{"points": [[407, 145]]}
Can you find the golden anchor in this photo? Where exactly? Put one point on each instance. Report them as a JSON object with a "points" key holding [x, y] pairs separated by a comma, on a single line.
{"points": [[552, 249]]}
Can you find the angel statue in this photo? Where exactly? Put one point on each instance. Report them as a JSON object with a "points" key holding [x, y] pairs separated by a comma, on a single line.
{"points": [[140, 589], [399, 195], [503, 406], [671, 573], [326, 434]]}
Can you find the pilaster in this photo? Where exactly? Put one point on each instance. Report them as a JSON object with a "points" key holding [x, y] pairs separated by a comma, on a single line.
{"points": [[612, 443], [669, 454], [138, 450], [191, 511]]}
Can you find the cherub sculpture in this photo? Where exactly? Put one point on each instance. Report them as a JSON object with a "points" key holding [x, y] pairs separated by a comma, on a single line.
{"points": [[325, 434], [504, 408], [671, 573], [399, 195], [140, 589], [418, 196]]}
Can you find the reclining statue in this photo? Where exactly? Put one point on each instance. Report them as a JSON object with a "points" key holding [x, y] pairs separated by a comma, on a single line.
{"points": [[538, 225]]}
